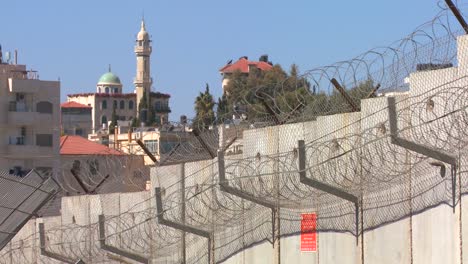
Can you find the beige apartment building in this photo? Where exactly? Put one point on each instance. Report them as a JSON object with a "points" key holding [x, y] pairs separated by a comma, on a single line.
{"points": [[76, 119], [158, 142], [109, 91], [29, 120]]}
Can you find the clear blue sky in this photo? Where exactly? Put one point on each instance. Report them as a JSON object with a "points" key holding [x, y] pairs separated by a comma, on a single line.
{"points": [[76, 40]]}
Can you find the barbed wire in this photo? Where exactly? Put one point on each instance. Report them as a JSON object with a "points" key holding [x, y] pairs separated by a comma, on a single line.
{"points": [[349, 145]]}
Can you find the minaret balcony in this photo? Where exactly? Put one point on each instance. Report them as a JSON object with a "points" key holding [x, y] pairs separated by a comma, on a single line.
{"points": [[142, 80], [143, 50]]}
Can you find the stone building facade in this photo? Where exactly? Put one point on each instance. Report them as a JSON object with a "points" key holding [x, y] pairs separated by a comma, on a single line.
{"points": [[29, 120]]}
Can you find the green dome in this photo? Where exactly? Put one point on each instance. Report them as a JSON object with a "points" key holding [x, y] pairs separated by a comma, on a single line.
{"points": [[109, 78]]}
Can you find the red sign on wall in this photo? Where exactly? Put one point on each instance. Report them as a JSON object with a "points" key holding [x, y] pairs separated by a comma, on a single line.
{"points": [[309, 232]]}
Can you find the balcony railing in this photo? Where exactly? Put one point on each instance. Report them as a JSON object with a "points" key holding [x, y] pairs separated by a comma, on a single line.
{"points": [[17, 140], [15, 106], [142, 80], [162, 109]]}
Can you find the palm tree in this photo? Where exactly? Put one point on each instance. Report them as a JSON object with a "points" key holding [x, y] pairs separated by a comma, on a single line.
{"points": [[204, 113]]}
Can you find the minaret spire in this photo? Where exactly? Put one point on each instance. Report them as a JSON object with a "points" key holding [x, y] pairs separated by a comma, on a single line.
{"points": [[143, 80]]}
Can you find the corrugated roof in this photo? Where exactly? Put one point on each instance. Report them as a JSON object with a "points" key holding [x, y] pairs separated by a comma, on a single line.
{"points": [[76, 145]]}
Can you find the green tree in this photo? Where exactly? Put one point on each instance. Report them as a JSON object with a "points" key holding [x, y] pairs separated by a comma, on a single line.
{"points": [[283, 92], [135, 122], [222, 112], [204, 109], [286, 94], [142, 106], [338, 104], [113, 123], [151, 116]]}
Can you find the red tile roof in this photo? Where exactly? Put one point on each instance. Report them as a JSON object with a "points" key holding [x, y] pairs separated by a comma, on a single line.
{"points": [[243, 65], [76, 145], [72, 104]]}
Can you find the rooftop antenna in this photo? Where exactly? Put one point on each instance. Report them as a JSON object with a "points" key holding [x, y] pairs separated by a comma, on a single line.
{"points": [[8, 57]]}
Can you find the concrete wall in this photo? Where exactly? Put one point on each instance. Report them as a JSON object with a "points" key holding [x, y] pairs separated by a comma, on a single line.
{"points": [[406, 212], [432, 236]]}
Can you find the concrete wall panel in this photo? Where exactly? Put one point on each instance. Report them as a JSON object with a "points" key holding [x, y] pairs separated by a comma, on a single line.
{"points": [[436, 236], [388, 244], [291, 252], [338, 248]]}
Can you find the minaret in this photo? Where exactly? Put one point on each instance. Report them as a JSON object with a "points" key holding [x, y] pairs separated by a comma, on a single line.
{"points": [[143, 80]]}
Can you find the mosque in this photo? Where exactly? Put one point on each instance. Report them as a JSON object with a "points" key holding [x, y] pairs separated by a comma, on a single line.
{"points": [[109, 94]]}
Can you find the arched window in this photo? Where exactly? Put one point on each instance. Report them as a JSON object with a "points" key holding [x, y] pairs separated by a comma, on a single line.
{"points": [[107, 89], [122, 104], [44, 107], [130, 104], [104, 104], [104, 119]]}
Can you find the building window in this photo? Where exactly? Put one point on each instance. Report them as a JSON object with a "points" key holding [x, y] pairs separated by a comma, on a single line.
{"points": [[44, 140], [158, 106], [157, 119], [104, 104], [79, 132], [130, 104], [116, 90], [115, 104], [104, 120], [44, 107], [122, 104], [107, 89], [138, 174], [152, 145], [167, 146]]}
